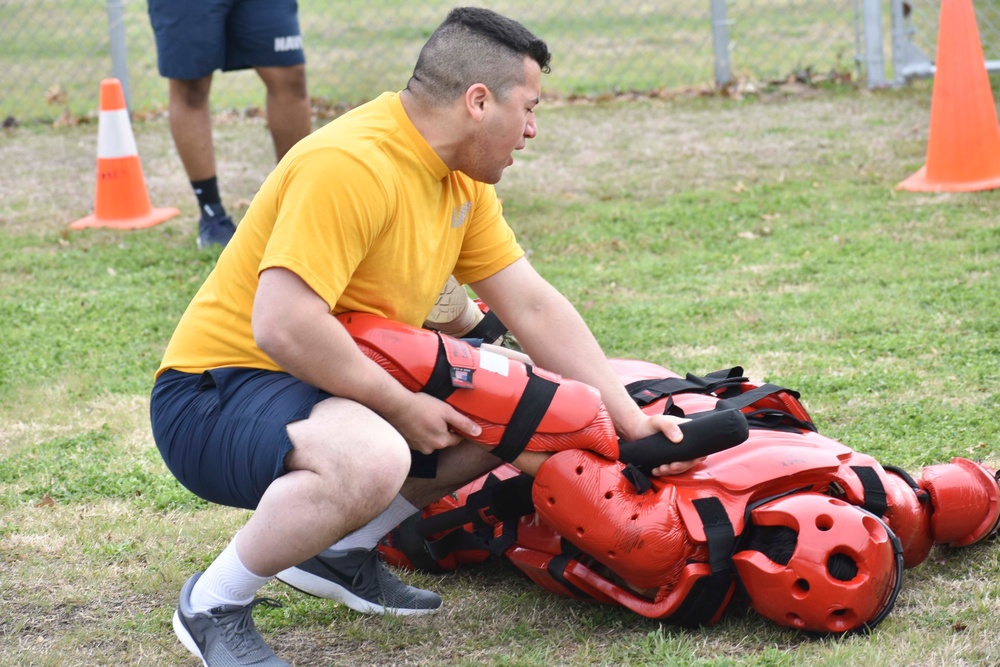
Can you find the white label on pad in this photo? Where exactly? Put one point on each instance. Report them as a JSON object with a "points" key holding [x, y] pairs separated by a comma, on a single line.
{"points": [[493, 362]]}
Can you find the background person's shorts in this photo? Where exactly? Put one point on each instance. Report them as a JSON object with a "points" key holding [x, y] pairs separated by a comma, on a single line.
{"points": [[196, 37], [222, 432]]}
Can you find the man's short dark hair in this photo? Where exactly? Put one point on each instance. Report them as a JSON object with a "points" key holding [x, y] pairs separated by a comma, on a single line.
{"points": [[475, 45]]}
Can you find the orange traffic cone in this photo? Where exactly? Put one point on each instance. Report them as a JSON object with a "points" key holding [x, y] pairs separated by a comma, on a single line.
{"points": [[121, 200], [963, 143]]}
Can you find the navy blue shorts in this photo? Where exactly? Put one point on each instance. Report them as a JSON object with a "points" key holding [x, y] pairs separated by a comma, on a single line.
{"points": [[222, 433], [196, 37]]}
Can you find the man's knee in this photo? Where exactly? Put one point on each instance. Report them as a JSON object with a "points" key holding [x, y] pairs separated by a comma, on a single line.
{"points": [[287, 83], [352, 446], [193, 93]]}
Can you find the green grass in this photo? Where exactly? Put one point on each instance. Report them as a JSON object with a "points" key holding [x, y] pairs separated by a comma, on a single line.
{"points": [[111, 311], [696, 233], [90, 467]]}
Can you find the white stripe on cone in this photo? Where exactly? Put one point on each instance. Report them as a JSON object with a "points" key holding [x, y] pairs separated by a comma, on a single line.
{"points": [[114, 135]]}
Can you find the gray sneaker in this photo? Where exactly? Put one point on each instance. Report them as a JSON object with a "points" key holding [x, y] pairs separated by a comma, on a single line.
{"points": [[360, 580], [225, 636]]}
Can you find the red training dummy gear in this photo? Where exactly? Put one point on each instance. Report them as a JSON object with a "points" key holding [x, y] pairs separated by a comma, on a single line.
{"points": [[816, 532], [519, 407]]}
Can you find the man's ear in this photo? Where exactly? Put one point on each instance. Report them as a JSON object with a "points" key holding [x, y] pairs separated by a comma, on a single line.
{"points": [[476, 98]]}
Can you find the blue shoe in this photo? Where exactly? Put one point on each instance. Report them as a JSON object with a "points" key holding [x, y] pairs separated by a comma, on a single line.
{"points": [[215, 228]]}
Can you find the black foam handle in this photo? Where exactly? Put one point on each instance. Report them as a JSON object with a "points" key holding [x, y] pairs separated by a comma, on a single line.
{"points": [[706, 434]]}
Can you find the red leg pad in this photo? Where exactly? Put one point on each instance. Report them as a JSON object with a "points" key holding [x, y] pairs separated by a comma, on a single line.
{"points": [[585, 498]]}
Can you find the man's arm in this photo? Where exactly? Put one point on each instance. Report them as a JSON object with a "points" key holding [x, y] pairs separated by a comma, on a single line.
{"points": [[293, 325], [556, 338]]}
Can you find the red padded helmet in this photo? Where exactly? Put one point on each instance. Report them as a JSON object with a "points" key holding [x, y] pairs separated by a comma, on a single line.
{"points": [[840, 568]]}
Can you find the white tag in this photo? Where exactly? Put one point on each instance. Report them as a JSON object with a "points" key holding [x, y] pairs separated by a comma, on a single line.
{"points": [[493, 362]]}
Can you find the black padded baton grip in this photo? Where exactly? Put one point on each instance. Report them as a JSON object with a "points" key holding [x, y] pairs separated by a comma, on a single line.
{"points": [[706, 434]]}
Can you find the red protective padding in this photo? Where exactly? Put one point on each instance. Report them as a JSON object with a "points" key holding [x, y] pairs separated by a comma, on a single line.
{"points": [[909, 519], [964, 496], [634, 370], [587, 581], [587, 500], [639, 537], [575, 419]]}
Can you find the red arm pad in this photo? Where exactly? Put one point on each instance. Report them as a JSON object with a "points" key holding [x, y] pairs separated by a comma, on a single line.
{"points": [[556, 413]]}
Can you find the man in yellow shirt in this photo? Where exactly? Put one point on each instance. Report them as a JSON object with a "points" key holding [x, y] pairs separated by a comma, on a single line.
{"points": [[264, 401]]}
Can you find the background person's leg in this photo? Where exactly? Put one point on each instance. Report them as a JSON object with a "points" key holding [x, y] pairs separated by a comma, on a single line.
{"points": [[289, 114]]}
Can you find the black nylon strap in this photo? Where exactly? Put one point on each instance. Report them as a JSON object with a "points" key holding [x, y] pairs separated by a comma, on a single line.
{"points": [[876, 501], [921, 494], [506, 539], [644, 392], [527, 416], [557, 568], [709, 593], [638, 479], [722, 383], [748, 398], [423, 466], [498, 500], [489, 329], [405, 538], [456, 540], [770, 418], [778, 420], [439, 385], [718, 532]]}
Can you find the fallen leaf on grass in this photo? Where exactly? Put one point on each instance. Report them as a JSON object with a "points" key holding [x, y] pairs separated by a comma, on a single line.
{"points": [[56, 95]]}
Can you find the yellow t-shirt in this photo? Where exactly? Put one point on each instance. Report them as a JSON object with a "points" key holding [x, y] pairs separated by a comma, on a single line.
{"points": [[366, 213]]}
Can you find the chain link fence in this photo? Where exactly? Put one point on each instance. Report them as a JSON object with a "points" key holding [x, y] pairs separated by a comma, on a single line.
{"points": [[55, 52], [914, 36]]}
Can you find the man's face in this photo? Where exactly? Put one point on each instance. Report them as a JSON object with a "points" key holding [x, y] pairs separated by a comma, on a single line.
{"points": [[506, 128]]}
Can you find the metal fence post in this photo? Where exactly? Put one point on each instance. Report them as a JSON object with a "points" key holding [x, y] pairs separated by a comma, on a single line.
{"points": [[874, 58], [899, 40], [720, 44], [119, 53]]}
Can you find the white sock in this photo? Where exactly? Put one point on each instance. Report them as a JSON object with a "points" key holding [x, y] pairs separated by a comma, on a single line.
{"points": [[226, 582], [368, 535]]}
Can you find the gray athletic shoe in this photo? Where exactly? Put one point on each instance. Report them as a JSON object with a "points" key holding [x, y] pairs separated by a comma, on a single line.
{"points": [[360, 580], [225, 636]]}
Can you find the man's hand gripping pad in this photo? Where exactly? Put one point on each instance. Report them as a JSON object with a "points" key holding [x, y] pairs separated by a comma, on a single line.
{"points": [[519, 407]]}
